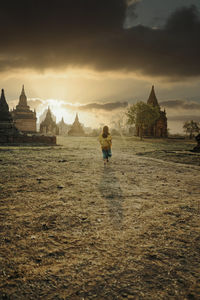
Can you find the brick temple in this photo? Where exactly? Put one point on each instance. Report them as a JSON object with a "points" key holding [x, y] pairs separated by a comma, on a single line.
{"points": [[24, 118], [9, 134], [159, 128]]}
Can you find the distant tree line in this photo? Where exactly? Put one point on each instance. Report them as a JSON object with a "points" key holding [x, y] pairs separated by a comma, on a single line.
{"points": [[192, 128]]}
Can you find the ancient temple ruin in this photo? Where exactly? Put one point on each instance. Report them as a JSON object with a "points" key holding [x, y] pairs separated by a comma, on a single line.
{"points": [[7, 127], [63, 128], [9, 134], [48, 126], [24, 118], [159, 128], [76, 128]]}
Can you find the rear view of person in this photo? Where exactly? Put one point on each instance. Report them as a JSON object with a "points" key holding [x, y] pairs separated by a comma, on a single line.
{"points": [[105, 140]]}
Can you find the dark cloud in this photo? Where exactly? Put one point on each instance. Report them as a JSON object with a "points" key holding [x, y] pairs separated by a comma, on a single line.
{"points": [[188, 110], [96, 106], [184, 118], [181, 104], [56, 34], [107, 106]]}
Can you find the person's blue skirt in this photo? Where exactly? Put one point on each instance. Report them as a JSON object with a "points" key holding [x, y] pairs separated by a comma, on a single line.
{"points": [[106, 153]]}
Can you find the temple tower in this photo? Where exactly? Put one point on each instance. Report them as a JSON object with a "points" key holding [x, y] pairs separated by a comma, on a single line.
{"points": [[4, 109], [22, 101], [24, 118], [63, 128], [7, 126], [159, 128], [152, 100], [48, 126], [76, 129]]}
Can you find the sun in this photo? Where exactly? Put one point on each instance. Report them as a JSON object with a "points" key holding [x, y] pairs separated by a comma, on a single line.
{"points": [[66, 110], [59, 111]]}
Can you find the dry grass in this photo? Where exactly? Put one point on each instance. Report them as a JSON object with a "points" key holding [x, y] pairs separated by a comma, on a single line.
{"points": [[72, 229]]}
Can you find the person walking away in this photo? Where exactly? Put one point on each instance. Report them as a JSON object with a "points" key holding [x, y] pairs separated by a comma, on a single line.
{"points": [[105, 140]]}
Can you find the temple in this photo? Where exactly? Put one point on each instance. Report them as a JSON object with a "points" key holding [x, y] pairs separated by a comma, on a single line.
{"points": [[63, 128], [7, 127], [76, 128], [48, 126], [159, 128], [9, 134], [24, 118], [152, 98]]}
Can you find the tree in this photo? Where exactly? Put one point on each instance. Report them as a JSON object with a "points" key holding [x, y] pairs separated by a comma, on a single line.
{"points": [[191, 127], [142, 115]]}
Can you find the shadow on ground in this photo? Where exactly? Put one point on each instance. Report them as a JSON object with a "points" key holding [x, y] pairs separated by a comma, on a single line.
{"points": [[111, 191]]}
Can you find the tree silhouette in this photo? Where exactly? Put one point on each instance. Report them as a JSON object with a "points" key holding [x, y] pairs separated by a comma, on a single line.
{"points": [[142, 115], [191, 127]]}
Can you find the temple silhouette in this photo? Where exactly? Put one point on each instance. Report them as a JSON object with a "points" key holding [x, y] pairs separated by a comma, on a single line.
{"points": [[24, 118], [10, 134], [48, 126], [63, 127], [159, 128], [76, 128], [7, 126]]}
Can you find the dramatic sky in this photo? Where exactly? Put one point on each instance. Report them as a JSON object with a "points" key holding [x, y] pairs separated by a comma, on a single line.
{"points": [[97, 56]]}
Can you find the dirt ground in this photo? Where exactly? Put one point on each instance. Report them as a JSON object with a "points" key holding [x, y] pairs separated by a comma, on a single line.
{"points": [[71, 228]]}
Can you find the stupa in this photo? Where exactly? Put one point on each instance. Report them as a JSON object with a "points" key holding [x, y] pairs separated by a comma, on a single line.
{"points": [[23, 117], [63, 127], [9, 134], [76, 129], [48, 126], [7, 127]]}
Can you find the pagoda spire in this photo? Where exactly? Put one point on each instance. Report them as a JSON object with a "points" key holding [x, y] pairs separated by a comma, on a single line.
{"points": [[76, 119], [76, 128], [48, 111], [48, 117], [23, 91], [22, 100], [3, 103], [4, 108], [152, 98]]}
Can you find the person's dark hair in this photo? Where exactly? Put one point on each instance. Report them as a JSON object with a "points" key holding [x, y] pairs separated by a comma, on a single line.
{"points": [[105, 132]]}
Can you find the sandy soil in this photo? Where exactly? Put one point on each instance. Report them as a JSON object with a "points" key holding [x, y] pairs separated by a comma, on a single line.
{"points": [[71, 228]]}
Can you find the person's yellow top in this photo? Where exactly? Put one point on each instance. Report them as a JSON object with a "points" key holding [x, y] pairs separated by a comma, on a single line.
{"points": [[105, 142]]}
